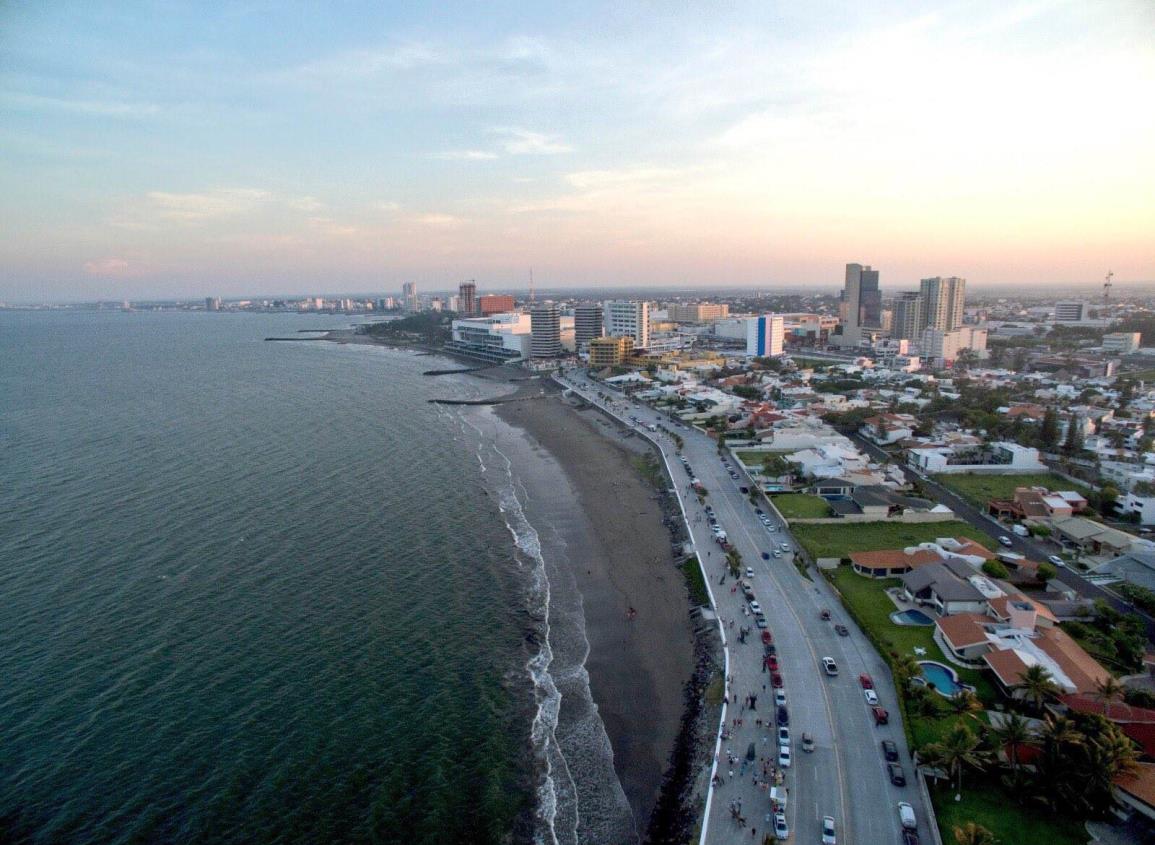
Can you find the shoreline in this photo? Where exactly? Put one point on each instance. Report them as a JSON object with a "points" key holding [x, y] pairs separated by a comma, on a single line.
{"points": [[640, 666]]}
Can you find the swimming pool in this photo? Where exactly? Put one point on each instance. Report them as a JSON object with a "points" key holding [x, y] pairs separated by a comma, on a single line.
{"points": [[944, 678], [911, 617]]}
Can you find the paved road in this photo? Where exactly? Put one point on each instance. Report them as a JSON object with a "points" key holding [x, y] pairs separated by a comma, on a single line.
{"points": [[845, 777], [1022, 545]]}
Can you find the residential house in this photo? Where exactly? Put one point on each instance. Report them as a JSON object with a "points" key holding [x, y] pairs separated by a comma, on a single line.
{"points": [[950, 586], [886, 429], [1070, 667], [1134, 567], [1091, 537], [993, 458], [1037, 503]]}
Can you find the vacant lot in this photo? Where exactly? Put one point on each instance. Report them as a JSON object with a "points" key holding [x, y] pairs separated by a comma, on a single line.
{"points": [[980, 489], [836, 540], [753, 457], [990, 806], [801, 506]]}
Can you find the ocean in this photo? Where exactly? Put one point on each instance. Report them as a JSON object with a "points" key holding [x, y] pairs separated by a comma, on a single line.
{"points": [[267, 593]]}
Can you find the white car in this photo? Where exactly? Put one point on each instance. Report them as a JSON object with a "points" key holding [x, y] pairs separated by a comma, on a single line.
{"points": [[784, 736], [785, 547], [830, 666], [784, 756], [828, 837], [906, 816], [779, 696], [871, 697], [1005, 541], [777, 554], [1058, 561], [781, 829], [749, 572]]}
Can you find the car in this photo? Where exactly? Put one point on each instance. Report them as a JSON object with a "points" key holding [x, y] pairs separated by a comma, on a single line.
{"points": [[781, 829], [896, 774], [772, 663], [807, 743], [777, 555], [773, 529], [828, 837], [906, 816], [784, 756], [734, 475], [909, 837], [783, 716], [871, 697], [824, 614], [1005, 541], [760, 621], [765, 555], [758, 511], [881, 717], [766, 638], [784, 736], [1058, 561], [755, 608], [842, 630], [749, 572], [890, 750], [785, 547], [744, 490], [866, 681], [776, 680], [770, 649], [830, 666], [779, 696]]}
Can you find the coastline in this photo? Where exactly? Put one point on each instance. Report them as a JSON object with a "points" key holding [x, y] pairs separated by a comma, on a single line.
{"points": [[620, 556]]}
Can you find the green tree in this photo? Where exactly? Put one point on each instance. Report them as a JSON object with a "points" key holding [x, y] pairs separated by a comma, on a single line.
{"points": [[995, 569], [775, 466], [965, 703], [1074, 441], [1038, 685], [1049, 430], [1012, 734], [1046, 572], [1107, 691], [960, 749]]}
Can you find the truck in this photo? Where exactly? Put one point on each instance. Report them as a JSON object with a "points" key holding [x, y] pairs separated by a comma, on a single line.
{"points": [[779, 797], [1020, 531]]}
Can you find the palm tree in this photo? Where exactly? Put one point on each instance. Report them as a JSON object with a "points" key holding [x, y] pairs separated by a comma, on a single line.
{"points": [[1106, 691], [973, 834], [1011, 735], [930, 759], [965, 703], [1058, 731], [1038, 685], [905, 668], [960, 748]]}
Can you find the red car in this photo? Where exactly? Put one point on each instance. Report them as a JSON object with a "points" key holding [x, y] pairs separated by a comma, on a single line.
{"points": [[776, 680], [866, 681], [772, 663], [766, 638]]}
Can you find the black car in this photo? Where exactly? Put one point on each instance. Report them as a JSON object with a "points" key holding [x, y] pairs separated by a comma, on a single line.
{"points": [[783, 716], [842, 630], [890, 750], [770, 648], [897, 775], [909, 837]]}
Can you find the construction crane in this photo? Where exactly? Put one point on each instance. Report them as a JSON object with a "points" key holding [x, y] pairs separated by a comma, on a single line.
{"points": [[531, 296], [1107, 287]]}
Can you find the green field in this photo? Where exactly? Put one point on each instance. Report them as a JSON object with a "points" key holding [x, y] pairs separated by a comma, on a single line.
{"points": [[980, 489], [986, 804], [839, 541], [801, 506], [753, 457]]}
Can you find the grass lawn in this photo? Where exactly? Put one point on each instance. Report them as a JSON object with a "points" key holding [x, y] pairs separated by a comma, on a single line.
{"points": [[840, 540], [801, 506], [988, 805], [753, 457], [980, 489]]}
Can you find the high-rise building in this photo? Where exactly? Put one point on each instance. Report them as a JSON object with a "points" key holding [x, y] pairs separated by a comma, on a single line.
{"points": [[467, 299], [764, 335], [907, 321], [409, 297], [628, 318], [610, 351], [943, 302], [492, 304], [1070, 312], [861, 303], [699, 313], [212, 303], [545, 320], [587, 321]]}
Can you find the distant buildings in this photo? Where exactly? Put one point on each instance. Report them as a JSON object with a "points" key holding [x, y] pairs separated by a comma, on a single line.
{"points": [[765, 335], [212, 303], [1121, 343], [943, 301], [1070, 312], [545, 320], [990, 459], [907, 320], [861, 303], [628, 318], [587, 325], [493, 304], [699, 313], [609, 351], [467, 299], [942, 348], [498, 338], [409, 297]]}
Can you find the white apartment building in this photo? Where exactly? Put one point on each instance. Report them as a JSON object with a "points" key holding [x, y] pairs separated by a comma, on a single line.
{"points": [[991, 459], [1070, 312], [628, 318], [498, 337], [765, 335], [1121, 343], [699, 313], [940, 348]]}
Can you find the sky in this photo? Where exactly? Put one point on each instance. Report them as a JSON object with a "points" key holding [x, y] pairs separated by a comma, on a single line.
{"points": [[169, 149]]}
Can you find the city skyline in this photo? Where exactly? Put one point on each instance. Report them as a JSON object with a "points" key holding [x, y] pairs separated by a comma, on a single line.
{"points": [[200, 153]]}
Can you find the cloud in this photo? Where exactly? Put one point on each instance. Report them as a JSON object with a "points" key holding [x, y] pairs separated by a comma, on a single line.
{"points": [[193, 208], [107, 267], [525, 142], [307, 204], [386, 205], [95, 108], [444, 221], [466, 155]]}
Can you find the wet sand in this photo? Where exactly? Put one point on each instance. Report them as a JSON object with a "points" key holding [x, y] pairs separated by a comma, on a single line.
{"points": [[638, 666]]}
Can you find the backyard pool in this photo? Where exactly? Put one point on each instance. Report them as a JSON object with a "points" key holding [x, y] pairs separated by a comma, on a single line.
{"points": [[911, 617], [944, 678]]}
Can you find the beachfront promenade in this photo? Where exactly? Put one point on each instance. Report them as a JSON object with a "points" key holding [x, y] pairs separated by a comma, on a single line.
{"points": [[845, 776]]}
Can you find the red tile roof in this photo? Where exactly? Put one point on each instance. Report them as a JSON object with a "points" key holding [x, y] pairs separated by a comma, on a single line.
{"points": [[1140, 784], [963, 629], [1083, 670], [1007, 666], [894, 559]]}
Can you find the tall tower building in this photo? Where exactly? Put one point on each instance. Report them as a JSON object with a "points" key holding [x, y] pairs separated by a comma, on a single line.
{"points": [[943, 302], [628, 318], [409, 296], [467, 299], [545, 328], [861, 303], [764, 335], [587, 324], [907, 322]]}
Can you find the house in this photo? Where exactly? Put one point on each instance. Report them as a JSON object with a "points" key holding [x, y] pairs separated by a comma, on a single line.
{"points": [[1013, 650], [886, 429], [963, 636], [881, 502], [1134, 567], [1136, 790], [1091, 537], [950, 586], [1137, 722], [891, 563], [1037, 503], [993, 458]]}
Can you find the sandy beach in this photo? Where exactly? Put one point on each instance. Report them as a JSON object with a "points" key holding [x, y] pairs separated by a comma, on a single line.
{"points": [[638, 664]]}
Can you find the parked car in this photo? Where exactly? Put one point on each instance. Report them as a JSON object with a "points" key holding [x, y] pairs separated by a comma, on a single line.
{"points": [[781, 829], [755, 608], [779, 696], [772, 663], [783, 716], [1058, 561], [749, 572], [890, 750], [828, 836], [881, 717], [829, 666], [784, 756], [909, 837], [784, 736], [1004, 540], [906, 816], [871, 697], [766, 638], [807, 743], [760, 621], [777, 554], [776, 680], [866, 681], [842, 630], [896, 774]]}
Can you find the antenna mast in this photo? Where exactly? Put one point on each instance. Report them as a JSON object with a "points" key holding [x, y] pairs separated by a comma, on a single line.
{"points": [[1107, 287]]}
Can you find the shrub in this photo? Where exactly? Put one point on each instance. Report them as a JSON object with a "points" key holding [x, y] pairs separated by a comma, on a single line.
{"points": [[995, 569]]}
